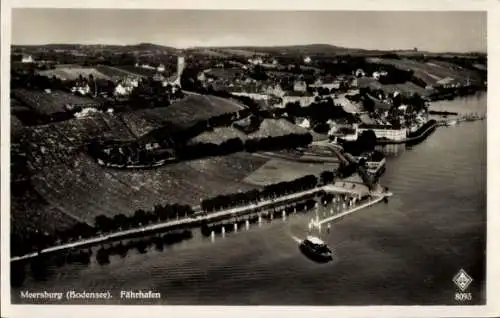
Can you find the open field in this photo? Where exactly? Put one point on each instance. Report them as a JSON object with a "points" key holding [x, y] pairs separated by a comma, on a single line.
{"points": [[208, 52], [137, 70], [73, 72], [432, 72], [225, 73], [49, 103], [112, 72], [86, 190], [278, 170], [240, 52]]}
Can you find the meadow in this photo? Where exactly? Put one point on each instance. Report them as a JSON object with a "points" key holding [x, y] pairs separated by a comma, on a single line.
{"points": [[69, 73]]}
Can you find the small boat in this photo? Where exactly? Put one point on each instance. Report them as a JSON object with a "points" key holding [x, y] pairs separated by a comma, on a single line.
{"points": [[451, 123], [317, 250]]}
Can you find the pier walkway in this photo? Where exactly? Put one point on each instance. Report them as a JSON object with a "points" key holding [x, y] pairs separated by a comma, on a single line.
{"points": [[373, 200], [194, 221]]}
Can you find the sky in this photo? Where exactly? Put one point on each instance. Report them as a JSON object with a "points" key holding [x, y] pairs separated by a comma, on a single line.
{"points": [[437, 31]]}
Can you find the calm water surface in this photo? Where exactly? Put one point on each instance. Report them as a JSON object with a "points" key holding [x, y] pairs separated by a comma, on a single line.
{"points": [[403, 252]]}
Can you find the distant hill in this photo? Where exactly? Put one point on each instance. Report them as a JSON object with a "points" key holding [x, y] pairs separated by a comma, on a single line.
{"points": [[245, 51], [146, 47]]}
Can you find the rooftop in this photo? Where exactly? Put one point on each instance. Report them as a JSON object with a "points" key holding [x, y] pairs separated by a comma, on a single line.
{"points": [[315, 240]]}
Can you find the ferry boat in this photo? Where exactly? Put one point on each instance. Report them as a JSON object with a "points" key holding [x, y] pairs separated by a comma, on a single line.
{"points": [[314, 248]]}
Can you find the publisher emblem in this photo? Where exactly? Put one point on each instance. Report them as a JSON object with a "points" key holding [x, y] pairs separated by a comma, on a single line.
{"points": [[462, 280]]}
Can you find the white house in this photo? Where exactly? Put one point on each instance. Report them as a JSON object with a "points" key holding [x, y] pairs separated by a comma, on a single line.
{"points": [[300, 86], [376, 75], [160, 68], [148, 67], [446, 82], [27, 59], [121, 90], [307, 60], [328, 85], [305, 123], [360, 73], [275, 90], [83, 89], [303, 99], [86, 112], [255, 96], [255, 61], [346, 133]]}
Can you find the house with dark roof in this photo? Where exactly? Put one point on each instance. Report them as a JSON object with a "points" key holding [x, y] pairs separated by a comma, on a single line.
{"points": [[303, 98], [300, 86]]}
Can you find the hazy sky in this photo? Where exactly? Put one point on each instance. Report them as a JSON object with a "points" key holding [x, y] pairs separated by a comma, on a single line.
{"points": [[434, 31]]}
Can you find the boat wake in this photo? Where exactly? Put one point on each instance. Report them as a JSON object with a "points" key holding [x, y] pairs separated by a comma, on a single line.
{"points": [[296, 239]]}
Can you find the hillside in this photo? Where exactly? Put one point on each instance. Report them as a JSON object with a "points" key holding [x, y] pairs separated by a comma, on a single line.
{"points": [[55, 143], [146, 47], [268, 127], [180, 114]]}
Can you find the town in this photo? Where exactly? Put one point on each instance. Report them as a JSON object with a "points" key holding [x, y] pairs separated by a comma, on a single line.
{"points": [[116, 148]]}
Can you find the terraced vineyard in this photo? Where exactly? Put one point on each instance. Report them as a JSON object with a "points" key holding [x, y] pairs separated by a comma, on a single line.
{"points": [[16, 126], [68, 186], [139, 124], [57, 143], [190, 109], [86, 189], [31, 213]]}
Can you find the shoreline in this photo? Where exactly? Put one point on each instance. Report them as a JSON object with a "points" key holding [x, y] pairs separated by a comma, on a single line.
{"points": [[197, 220]]}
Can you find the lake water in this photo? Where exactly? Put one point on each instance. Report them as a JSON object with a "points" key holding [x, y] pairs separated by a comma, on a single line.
{"points": [[405, 252]]}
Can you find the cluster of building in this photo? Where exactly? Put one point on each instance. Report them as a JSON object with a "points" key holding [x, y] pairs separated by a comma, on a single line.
{"points": [[272, 91], [124, 85]]}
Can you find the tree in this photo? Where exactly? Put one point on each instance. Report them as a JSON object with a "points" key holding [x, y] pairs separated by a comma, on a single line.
{"points": [[327, 177], [367, 140]]}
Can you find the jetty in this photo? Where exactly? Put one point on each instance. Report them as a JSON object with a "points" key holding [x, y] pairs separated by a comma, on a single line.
{"points": [[371, 201], [234, 214]]}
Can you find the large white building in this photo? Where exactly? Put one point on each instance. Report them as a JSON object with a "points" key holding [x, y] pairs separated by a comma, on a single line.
{"points": [[382, 131], [303, 99], [27, 59]]}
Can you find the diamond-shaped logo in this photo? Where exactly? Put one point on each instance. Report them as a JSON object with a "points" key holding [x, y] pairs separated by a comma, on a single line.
{"points": [[462, 280]]}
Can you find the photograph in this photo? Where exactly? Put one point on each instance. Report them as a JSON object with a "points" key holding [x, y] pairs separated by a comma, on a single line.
{"points": [[247, 157]]}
